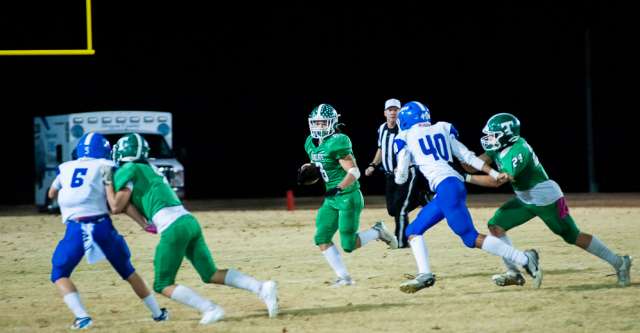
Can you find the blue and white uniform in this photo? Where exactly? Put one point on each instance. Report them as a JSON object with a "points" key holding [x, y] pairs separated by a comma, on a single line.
{"points": [[89, 230], [432, 148]]}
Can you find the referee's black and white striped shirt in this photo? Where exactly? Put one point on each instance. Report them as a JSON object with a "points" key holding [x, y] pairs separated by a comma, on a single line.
{"points": [[386, 136]]}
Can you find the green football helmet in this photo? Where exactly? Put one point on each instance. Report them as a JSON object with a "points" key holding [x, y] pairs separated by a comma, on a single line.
{"points": [[322, 121], [502, 130], [131, 148]]}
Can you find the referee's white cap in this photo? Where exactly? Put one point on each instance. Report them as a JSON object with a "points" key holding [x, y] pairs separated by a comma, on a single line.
{"points": [[392, 102]]}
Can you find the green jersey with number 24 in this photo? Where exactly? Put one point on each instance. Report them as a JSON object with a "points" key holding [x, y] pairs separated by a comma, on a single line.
{"points": [[521, 162]]}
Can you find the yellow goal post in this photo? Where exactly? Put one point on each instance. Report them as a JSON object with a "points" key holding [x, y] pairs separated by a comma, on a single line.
{"points": [[88, 51]]}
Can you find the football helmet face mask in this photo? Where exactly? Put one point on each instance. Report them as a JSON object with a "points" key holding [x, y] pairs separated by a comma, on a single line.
{"points": [[131, 148], [322, 121], [501, 131], [413, 113], [93, 145]]}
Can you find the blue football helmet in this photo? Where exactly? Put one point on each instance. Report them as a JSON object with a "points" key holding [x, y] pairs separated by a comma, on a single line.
{"points": [[93, 145], [413, 113]]}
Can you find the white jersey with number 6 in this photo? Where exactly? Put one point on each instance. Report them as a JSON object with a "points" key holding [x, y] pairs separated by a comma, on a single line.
{"points": [[432, 148], [81, 191]]}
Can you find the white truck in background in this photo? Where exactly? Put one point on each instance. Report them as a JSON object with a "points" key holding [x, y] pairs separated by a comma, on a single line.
{"points": [[55, 139]]}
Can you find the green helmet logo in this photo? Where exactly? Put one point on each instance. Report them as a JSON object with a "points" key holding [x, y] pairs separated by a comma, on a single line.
{"points": [[131, 148], [502, 130], [322, 121]]}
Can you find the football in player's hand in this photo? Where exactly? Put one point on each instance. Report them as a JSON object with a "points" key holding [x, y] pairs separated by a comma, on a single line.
{"points": [[308, 174]]}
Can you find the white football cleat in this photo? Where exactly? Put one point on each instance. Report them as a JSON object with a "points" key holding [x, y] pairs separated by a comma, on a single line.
{"points": [[269, 295], [212, 315], [421, 281], [533, 267], [623, 272], [509, 278], [343, 281], [386, 235]]}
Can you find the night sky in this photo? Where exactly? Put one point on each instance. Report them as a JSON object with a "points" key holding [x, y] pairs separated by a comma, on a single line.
{"points": [[240, 81]]}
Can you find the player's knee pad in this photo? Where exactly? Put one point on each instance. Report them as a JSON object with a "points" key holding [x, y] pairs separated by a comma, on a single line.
{"points": [[158, 286], [412, 230], [65, 259], [469, 238], [348, 241], [570, 235], [59, 272], [322, 238], [468, 235]]}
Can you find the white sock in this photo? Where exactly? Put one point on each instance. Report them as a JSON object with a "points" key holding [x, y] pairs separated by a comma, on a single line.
{"points": [[368, 235], [495, 246], [152, 305], [598, 249], [189, 297], [333, 257], [510, 265], [420, 253], [239, 280], [75, 305]]}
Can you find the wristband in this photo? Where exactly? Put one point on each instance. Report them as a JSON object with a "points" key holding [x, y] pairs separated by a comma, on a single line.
{"points": [[494, 174], [467, 178]]}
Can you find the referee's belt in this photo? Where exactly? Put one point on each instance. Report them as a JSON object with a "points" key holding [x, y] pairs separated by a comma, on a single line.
{"points": [[89, 219]]}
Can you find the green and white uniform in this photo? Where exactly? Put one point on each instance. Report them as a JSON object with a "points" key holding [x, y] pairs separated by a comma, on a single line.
{"points": [[180, 233], [341, 212], [536, 194]]}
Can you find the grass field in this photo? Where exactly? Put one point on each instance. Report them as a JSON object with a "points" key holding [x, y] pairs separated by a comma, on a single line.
{"points": [[577, 295]]}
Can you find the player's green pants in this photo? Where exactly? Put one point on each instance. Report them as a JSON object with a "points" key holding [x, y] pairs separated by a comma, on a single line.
{"points": [[341, 212], [556, 216], [182, 238]]}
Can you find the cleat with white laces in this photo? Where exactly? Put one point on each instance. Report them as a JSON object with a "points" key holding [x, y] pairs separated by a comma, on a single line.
{"points": [[269, 295], [508, 279], [386, 235], [212, 315], [421, 281]]}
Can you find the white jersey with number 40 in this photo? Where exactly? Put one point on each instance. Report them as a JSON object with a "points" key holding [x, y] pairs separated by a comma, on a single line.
{"points": [[81, 191], [432, 148]]}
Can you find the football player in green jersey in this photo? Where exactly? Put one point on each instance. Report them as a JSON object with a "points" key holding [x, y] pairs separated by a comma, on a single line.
{"points": [[137, 183], [340, 210], [536, 195]]}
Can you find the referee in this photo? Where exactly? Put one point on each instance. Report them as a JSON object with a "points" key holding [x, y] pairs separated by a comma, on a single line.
{"points": [[401, 199]]}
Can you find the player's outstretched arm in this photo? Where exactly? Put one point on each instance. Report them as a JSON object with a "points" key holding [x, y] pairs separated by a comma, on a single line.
{"points": [[486, 180], [470, 162]]}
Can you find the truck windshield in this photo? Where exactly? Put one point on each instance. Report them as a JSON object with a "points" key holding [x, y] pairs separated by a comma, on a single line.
{"points": [[158, 147]]}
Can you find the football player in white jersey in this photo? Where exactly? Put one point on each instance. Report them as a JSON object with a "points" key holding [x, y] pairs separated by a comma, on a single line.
{"points": [[432, 148], [83, 204]]}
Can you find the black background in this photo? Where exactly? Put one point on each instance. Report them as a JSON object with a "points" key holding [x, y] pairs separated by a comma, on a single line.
{"points": [[241, 79]]}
